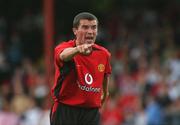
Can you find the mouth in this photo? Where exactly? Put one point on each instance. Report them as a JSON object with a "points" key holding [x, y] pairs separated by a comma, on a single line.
{"points": [[89, 39]]}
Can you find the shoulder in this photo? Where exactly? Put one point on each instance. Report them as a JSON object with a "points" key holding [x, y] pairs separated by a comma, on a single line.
{"points": [[101, 48], [65, 44]]}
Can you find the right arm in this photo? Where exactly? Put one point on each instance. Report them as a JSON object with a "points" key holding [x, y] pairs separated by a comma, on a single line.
{"points": [[68, 53]]}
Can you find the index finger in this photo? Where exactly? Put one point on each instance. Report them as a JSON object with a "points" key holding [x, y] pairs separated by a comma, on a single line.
{"points": [[90, 45]]}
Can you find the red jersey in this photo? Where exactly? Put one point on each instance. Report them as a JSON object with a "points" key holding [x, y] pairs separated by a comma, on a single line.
{"points": [[79, 82]]}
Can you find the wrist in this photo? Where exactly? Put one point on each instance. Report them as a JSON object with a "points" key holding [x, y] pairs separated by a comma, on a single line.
{"points": [[76, 50], [106, 93]]}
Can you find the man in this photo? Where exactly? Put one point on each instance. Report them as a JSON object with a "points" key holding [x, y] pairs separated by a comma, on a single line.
{"points": [[82, 71]]}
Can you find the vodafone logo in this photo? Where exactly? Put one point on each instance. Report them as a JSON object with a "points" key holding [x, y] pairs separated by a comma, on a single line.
{"points": [[88, 79]]}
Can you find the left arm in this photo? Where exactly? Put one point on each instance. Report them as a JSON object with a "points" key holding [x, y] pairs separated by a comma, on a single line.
{"points": [[105, 92]]}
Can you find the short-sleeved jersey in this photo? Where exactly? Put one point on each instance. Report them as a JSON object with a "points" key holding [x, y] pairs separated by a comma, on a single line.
{"points": [[79, 81]]}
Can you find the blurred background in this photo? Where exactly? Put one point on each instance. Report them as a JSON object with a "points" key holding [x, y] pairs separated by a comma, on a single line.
{"points": [[143, 37]]}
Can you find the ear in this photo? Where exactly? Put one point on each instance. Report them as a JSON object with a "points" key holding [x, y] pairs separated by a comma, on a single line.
{"points": [[74, 31]]}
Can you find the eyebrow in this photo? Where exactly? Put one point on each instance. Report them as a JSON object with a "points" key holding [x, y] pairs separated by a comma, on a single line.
{"points": [[89, 25]]}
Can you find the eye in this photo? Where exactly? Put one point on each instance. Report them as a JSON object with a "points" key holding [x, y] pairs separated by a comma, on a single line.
{"points": [[94, 27], [85, 27]]}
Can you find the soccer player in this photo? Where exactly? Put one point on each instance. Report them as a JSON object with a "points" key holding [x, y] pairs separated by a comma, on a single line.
{"points": [[82, 72]]}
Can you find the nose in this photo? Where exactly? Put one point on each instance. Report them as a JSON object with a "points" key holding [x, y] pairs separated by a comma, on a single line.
{"points": [[90, 30]]}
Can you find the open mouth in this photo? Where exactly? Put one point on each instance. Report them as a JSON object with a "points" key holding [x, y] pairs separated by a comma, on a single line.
{"points": [[89, 38]]}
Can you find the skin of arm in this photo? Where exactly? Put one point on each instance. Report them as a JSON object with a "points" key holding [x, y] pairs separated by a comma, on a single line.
{"points": [[105, 92], [68, 53]]}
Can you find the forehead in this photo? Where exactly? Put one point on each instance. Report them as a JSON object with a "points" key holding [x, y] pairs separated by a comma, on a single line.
{"points": [[87, 22]]}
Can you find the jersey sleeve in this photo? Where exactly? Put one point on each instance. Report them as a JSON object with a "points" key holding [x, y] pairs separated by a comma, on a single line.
{"points": [[57, 52], [108, 68]]}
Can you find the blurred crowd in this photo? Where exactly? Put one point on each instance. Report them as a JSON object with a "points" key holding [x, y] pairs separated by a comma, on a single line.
{"points": [[24, 91], [145, 82]]}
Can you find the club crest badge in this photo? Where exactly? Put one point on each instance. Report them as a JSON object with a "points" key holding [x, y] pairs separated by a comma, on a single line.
{"points": [[101, 67]]}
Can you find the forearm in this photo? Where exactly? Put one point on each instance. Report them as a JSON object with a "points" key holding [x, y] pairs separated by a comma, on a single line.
{"points": [[105, 92], [68, 53], [105, 86]]}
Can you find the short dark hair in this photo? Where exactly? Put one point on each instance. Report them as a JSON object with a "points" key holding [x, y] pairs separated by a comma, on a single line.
{"points": [[83, 15]]}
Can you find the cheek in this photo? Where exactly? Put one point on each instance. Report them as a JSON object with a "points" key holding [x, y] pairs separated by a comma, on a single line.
{"points": [[80, 32], [95, 33]]}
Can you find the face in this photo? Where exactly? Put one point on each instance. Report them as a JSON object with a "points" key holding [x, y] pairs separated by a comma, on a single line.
{"points": [[86, 31]]}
